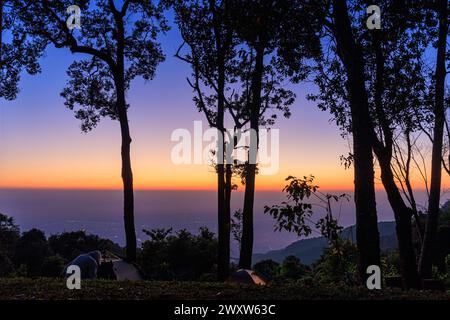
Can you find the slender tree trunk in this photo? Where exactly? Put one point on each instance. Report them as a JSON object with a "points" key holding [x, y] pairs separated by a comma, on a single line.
{"points": [[223, 223], [223, 250], [228, 186], [245, 259], [127, 179], [223, 218], [425, 265], [367, 235], [228, 189], [127, 173], [227, 213], [403, 215]]}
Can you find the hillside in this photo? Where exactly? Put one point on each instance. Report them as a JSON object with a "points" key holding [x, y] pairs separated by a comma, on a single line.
{"points": [[310, 250]]}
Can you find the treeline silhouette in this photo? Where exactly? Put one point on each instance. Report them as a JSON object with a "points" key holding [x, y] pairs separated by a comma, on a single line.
{"points": [[380, 85]]}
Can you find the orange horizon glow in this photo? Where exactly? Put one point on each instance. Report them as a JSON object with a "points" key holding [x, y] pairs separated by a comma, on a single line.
{"points": [[204, 182]]}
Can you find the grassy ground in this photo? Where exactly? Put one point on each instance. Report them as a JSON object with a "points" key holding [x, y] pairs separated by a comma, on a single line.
{"points": [[18, 289]]}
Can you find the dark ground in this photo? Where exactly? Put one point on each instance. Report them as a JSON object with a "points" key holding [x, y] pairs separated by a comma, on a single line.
{"points": [[43, 289]]}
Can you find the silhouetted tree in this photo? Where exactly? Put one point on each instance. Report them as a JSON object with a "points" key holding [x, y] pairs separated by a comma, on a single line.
{"points": [[396, 92], [9, 235], [121, 42], [295, 214], [206, 30], [349, 66], [384, 88], [439, 110], [31, 250], [277, 37], [18, 51]]}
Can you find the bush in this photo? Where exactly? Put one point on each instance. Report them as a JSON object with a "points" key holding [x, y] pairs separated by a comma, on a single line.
{"points": [[31, 251], [292, 268], [69, 245], [52, 266], [268, 269], [338, 263], [178, 257], [390, 262], [6, 265], [9, 235]]}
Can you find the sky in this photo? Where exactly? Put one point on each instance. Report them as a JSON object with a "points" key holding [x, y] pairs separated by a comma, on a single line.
{"points": [[42, 146]]}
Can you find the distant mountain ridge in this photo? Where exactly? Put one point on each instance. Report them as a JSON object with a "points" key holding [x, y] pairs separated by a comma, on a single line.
{"points": [[310, 250]]}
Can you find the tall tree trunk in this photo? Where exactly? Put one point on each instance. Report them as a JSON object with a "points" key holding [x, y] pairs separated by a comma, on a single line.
{"points": [[227, 212], [223, 254], [367, 235], [425, 265], [228, 189], [223, 267], [245, 259], [127, 173], [223, 226], [127, 179], [228, 186], [223, 259], [403, 215]]}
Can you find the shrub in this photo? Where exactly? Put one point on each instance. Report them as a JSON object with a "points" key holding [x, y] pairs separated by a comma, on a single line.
{"points": [[6, 265], [390, 262], [31, 250], [178, 257], [9, 235], [268, 269], [337, 263], [71, 244], [52, 266], [292, 268]]}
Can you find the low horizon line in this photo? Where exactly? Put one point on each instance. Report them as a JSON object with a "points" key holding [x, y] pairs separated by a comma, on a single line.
{"points": [[173, 189]]}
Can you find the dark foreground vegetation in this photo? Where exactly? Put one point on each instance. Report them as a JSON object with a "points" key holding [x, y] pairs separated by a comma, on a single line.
{"points": [[181, 265], [21, 288]]}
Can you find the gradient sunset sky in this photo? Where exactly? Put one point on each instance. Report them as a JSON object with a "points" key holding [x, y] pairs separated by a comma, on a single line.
{"points": [[41, 145]]}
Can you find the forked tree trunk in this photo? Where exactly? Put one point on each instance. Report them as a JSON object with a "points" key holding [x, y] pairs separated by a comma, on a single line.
{"points": [[403, 215], [245, 259], [425, 265], [367, 235]]}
